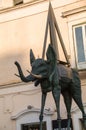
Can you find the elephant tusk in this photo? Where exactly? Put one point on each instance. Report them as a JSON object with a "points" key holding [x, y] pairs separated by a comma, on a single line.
{"points": [[35, 75]]}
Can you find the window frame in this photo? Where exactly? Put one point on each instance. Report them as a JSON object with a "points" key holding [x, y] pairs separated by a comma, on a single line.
{"points": [[80, 65]]}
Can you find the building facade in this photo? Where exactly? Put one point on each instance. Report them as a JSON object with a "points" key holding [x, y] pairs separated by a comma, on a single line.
{"points": [[22, 27]]}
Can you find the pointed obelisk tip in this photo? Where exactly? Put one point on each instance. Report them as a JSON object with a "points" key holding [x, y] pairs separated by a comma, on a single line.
{"points": [[50, 5]]}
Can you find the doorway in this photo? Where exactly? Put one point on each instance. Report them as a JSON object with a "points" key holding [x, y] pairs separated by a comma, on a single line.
{"points": [[33, 126], [64, 123]]}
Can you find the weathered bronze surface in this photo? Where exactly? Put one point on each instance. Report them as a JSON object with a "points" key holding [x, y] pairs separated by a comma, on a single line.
{"points": [[57, 78], [54, 30]]}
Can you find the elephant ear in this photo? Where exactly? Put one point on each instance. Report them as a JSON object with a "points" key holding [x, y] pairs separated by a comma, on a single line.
{"points": [[52, 61], [51, 55], [32, 57]]}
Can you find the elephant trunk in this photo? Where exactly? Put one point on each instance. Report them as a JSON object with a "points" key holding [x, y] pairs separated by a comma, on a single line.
{"points": [[21, 75]]}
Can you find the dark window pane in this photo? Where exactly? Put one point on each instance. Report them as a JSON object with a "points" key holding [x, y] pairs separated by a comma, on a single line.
{"points": [[64, 123], [32, 126], [79, 43]]}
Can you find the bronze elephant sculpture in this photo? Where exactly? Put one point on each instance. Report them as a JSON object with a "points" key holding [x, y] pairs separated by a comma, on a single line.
{"points": [[55, 77]]}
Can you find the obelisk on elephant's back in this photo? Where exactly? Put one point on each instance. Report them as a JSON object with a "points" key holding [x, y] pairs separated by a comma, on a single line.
{"points": [[53, 28]]}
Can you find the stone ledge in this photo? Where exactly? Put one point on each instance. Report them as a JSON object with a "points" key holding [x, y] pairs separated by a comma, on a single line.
{"points": [[76, 7], [4, 10], [47, 112], [71, 12]]}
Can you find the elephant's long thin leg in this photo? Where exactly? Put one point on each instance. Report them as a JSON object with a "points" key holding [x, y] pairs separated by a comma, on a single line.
{"points": [[76, 93], [56, 94], [68, 103], [78, 99], [42, 109]]}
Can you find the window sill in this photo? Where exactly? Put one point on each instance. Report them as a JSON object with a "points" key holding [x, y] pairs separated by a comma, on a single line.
{"points": [[82, 74], [74, 11], [75, 7]]}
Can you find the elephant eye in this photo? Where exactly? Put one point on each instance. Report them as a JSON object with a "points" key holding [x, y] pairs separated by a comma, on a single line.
{"points": [[40, 64]]}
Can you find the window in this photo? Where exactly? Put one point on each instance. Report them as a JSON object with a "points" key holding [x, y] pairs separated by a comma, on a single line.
{"points": [[33, 126], [80, 45], [17, 2], [64, 123]]}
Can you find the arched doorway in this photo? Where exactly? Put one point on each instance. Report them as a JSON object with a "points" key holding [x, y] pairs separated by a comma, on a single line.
{"points": [[28, 119]]}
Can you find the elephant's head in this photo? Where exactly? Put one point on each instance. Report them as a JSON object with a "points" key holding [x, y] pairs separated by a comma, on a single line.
{"points": [[41, 68]]}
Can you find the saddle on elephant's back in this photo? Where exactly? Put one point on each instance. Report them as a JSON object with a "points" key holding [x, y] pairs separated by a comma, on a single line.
{"points": [[64, 71]]}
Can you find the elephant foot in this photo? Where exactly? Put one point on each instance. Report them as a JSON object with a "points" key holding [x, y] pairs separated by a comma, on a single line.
{"points": [[41, 119], [59, 124], [69, 123], [84, 121], [40, 126]]}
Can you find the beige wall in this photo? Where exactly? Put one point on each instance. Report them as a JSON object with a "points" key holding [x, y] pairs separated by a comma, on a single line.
{"points": [[20, 30], [17, 44], [7, 3], [19, 34]]}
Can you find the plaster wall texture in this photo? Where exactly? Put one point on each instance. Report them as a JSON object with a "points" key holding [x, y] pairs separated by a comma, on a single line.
{"points": [[20, 30], [7, 3], [20, 34]]}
